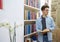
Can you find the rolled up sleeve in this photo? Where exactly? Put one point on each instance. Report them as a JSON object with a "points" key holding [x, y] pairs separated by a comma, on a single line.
{"points": [[52, 26]]}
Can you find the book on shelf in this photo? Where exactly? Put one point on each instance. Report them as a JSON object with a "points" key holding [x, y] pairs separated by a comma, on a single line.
{"points": [[25, 14], [33, 3], [33, 15], [24, 1], [34, 37], [29, 15], [29, 28], [33, 27]]}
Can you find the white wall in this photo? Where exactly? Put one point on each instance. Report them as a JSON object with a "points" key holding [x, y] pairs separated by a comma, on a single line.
{"points": [[13, 11]]}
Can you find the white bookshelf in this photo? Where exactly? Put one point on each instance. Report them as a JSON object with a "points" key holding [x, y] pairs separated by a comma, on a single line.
{"points": [[32, 33], [29, 34], [30, 21]]}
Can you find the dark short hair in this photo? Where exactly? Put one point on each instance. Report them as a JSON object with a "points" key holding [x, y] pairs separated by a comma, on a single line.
{"points": [[44, 6]]}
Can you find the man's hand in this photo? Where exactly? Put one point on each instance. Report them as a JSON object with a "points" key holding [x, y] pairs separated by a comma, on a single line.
{"points": [[45, 31]]}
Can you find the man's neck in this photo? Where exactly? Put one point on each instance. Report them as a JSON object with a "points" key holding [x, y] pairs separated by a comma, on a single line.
{"points": [[44, 16]]}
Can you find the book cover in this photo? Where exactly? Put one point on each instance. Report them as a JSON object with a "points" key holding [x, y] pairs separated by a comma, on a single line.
{"points": [[38, 4], [31, 2], [28, 15], [33, 27], [28, 29], [33, 15], [25, 14], [26, 2]]}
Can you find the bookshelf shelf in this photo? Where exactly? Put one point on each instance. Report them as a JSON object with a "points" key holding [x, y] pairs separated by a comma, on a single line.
{"points": [[30, 34], [31, 8], [29, 20]]}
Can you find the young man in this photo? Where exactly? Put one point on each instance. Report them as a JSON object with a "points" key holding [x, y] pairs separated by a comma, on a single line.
{"points": [[46, 24]]}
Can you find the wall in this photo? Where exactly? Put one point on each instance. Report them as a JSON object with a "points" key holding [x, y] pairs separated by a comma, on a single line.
{"points": [[12, 11], [58, 14]]}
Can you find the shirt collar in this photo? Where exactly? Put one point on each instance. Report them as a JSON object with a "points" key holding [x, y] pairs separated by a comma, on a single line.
{"points": [[41, 17]]}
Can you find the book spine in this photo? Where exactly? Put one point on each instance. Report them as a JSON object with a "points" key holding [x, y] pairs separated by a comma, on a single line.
{"points": [[26, 2], [28, 15], [31, 15], [28, 29], [33, 3], [38, 5], [33, 27], [29, 2], [25, 29]]}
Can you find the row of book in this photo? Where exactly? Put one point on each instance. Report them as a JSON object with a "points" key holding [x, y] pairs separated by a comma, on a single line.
{"points": [[29, 28], [33, 3], [29, 15]]}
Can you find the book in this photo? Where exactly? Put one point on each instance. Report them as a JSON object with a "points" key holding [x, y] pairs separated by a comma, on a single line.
{"points": [[25, 14], [33, 27], [33, 15], [28, 29], [38, 5], [28, 15], [29, 2], [24, 1], [33, 3]]}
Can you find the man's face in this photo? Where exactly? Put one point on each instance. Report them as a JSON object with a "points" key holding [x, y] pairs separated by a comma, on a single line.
{"points": [[46, 11]]}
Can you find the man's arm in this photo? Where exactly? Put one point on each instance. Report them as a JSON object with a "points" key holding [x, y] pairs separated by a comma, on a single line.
{"points": [[52, 27]]}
